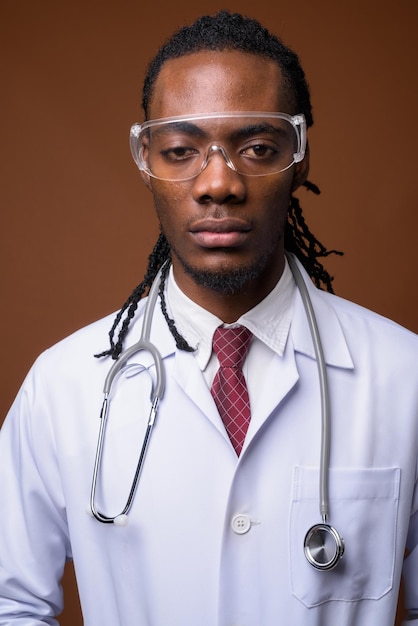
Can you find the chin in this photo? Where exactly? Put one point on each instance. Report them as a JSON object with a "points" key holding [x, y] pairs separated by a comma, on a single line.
{"points": [[227, 280]]}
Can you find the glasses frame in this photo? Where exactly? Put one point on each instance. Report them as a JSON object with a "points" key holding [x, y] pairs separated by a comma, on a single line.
{"points": [[297, 121]]}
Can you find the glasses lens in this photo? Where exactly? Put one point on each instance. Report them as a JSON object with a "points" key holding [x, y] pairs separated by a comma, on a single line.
{"points": [[252, 145]]}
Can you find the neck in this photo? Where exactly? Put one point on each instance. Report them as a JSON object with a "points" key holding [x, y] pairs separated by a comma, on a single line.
{"points": [[225, 298]]}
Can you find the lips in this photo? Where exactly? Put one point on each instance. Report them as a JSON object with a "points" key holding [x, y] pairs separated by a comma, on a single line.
{"points": [[227, 232]]}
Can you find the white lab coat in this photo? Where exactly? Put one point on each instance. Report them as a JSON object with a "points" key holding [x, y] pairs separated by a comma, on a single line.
{"points": [[180, 561]]}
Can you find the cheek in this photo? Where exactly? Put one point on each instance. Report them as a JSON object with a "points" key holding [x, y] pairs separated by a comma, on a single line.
{"points": [[274, 188], [275, 199], [271, 219], [167, 193], [165, 200], [169, 202]]}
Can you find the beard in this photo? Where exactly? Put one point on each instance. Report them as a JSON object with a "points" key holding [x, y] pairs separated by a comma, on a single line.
{"points": [[225, 280]]}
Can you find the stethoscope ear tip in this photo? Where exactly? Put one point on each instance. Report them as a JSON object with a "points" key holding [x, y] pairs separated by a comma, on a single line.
{"points": [[121, 520]]}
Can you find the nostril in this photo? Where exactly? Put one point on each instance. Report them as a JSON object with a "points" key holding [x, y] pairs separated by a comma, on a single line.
{"points": [[214, 198]]}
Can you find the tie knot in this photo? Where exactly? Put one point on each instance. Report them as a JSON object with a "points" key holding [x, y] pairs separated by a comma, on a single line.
{"points": [[231, 345]]}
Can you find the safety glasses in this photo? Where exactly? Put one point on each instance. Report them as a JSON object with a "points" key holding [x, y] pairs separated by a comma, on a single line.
{"points": [[252, 143]]}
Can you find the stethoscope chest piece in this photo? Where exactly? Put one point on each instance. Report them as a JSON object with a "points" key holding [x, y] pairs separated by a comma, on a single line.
{"points": [[323, 546]]}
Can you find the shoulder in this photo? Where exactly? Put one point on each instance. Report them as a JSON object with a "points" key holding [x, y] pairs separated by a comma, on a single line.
{"points": [[369, 331], [350, 312], [345, 325]]}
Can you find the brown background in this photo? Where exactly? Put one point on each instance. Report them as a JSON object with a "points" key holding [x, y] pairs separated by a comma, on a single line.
{"points": [[77, 224]]}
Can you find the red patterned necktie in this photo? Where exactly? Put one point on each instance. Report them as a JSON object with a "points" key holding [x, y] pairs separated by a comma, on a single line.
{"points": [[229, 389]]}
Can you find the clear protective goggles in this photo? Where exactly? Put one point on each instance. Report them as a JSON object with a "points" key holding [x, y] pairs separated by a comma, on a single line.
{"points": [[252, 143]]}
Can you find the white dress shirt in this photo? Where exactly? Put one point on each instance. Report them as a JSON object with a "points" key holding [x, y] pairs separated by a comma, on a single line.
{"points": [[269, 321]]}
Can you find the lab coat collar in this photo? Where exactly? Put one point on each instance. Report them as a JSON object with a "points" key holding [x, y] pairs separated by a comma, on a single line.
{"points": [[335, 348], [334, 344]]}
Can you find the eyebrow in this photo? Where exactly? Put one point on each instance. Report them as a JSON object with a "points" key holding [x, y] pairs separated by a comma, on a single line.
{"points": [[254, 129], [192, 129], [175, 127]]}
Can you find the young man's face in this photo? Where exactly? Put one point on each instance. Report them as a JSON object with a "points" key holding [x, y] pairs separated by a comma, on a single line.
{"points": [[225, 229]]}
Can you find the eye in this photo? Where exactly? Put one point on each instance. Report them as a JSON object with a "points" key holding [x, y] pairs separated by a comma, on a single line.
{"points": [[260, 151], [178, 153]]}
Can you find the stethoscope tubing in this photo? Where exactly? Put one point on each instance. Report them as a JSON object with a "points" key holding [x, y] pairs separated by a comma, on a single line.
{"points": [[324, 390], [143, 345], [318, 536]]}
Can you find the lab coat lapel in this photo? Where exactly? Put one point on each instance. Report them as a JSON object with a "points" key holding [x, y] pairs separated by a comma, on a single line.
{"points": [[189, 376], [282, 375], [184, 370], [280, 378]]}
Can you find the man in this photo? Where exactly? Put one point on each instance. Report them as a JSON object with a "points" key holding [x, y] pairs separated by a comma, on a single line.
{"points": [[216, 530]]}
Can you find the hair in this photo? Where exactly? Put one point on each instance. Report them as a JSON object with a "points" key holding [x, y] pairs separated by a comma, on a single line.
{"points": [[228, 31]]}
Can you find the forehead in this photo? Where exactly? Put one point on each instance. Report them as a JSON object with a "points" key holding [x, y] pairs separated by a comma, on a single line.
{"points": [[210, 81]]}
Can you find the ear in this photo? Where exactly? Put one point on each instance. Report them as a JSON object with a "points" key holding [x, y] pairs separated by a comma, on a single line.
{"points": [[301, 171]]}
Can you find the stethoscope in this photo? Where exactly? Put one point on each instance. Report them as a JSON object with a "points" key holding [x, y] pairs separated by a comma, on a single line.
{"points": [[323, 545]]}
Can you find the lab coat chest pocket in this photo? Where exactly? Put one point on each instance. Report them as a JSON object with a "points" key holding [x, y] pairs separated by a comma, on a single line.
{"points": [[363, 509]]}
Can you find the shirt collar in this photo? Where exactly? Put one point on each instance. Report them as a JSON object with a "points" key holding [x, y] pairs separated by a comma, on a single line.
{"points": [[269, 320]]}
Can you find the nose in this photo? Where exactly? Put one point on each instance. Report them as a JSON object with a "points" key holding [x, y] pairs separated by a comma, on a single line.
{"points": [[218, 181], [213, 149]]}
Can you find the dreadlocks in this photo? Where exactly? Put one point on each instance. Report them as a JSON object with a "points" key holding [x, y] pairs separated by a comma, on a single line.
{"points": [[304, 245], [226, 31]]}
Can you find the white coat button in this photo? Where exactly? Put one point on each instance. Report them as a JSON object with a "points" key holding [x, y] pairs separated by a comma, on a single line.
{"points": [[241, 524]]}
